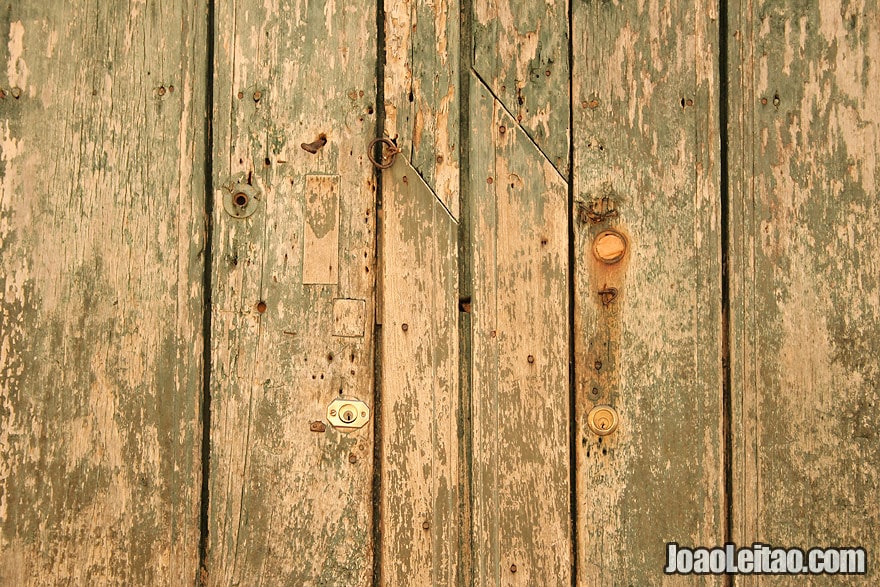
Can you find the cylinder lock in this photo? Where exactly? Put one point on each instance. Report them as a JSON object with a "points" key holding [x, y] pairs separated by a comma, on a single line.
{"points": [[603, 420], [348, 414]]}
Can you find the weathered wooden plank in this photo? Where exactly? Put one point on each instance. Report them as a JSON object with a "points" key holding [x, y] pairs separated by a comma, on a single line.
{"points": [[101, 240], [294, 93], [420, 400], [520, 51], [645, 134], [805, 274], [518, 214], [422, 90]]}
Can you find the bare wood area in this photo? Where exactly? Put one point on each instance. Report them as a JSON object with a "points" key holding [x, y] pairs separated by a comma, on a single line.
{"points": [[101, 249]]}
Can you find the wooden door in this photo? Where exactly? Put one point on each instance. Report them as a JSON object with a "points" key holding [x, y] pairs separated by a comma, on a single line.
{"points": [[199, 258]]}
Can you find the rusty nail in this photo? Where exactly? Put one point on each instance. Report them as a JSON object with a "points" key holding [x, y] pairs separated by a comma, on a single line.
{"points": [[317, 426], [404, 326], [258, 95], [512, 568], [547, 73], [502, 129], [689, 102], [594, 103], [598, 365], [240, 95], [161, 90], [315, 145], [426, 525], [352, 458], [170, 89], [261, 306], [489, 180], [2, 94], [439, 158], [493, 334], [405, 179], [531, 359], [764, 101], [608, 295]]}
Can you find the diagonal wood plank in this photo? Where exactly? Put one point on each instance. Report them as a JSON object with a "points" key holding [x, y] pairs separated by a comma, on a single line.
{"points": [[521, 53], [293, 292], [519, 230], [646, 123], [102, 111], [805, 275], [420, 400], [422, 100]]}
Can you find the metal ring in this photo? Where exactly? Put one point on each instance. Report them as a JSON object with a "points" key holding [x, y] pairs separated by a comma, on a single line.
{"points": [[392, 151]]}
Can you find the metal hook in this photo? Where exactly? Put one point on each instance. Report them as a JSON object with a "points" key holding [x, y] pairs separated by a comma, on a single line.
{"points": [[386, 156]]}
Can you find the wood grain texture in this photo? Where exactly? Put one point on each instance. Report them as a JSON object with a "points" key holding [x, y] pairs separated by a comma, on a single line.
{"points": [[520, 51], [645, 131], [290, 506], [101, 240], [422, 90], [519, 230], [420, 400], [805, 275]]}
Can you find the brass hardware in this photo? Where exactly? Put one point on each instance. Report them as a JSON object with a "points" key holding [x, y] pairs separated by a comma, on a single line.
{"points": [[348, 414], [603, 420], [609, 247]]}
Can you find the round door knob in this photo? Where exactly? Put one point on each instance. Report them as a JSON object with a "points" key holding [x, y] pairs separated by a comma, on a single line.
{"points": [[603, 420]]}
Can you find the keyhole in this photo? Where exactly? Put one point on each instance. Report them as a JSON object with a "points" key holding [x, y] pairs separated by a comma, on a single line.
{"points": [[241, 199], [348, 416]]}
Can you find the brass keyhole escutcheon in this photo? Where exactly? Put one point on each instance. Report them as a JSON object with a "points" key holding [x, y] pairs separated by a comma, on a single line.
{"points": [[609, 246], [347, 414], [603, 420]]}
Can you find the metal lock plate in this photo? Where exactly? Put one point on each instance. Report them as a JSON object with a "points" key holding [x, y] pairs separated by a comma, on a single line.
{"points": [[240, 198], [348, 414], [603, 420]]}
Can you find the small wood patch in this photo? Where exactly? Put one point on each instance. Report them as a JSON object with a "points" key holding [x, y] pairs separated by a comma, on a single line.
{"points": [[321, 220], [348, 317]]}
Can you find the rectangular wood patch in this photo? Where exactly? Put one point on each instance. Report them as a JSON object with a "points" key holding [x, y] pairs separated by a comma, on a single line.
{"points": [[321, 230]]}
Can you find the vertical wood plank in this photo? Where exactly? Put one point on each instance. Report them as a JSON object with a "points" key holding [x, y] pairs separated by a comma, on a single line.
{"points": [[420, 407], [101, 240], [521, 509], [521, 53], [294, 93], [645, 95], [805, 274], [422, 90]]}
